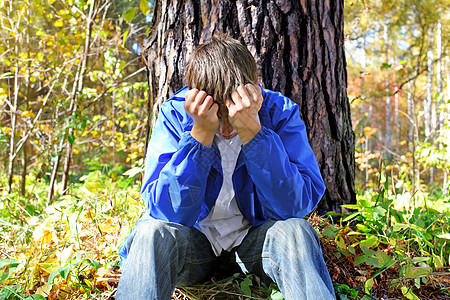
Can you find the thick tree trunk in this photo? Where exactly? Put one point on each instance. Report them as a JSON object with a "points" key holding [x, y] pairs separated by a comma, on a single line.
{"points": [[299, 49]]}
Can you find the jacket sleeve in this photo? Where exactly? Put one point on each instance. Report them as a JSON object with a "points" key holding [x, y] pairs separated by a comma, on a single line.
{"points": [[284, 169], [176, 171]]}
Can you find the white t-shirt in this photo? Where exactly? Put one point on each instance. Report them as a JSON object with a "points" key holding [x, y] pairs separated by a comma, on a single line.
{"points": [[225, 226]]}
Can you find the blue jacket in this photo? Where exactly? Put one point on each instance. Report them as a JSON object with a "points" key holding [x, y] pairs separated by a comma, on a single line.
{"points": [[276, 176]]}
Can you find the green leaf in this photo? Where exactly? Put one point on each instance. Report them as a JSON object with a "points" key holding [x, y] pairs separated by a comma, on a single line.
{"points": [[64, 272], [385, 66], [71, 139], [93, 263], [6, 292], [5, 262], [38, 297], [144, 7], [382, 258], [436, 96], [365, 203], [125, 37], [6, 74], [372, 261], [398, 227], [420, 223], [437, 261], [245, 286], [415, 227], [381, 211], [368, 285], [351, 216], [370, 242], [360, 259], [408, 293], [329, 232], [52, 277], [340, 242], [276, 295], [122, 65], [78, 257], [9, 266], [352, 206], [129, 14], [351, 250]]}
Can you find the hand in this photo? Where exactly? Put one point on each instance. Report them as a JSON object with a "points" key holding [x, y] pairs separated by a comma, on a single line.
{"points": [[243, 108], [202, 109]]}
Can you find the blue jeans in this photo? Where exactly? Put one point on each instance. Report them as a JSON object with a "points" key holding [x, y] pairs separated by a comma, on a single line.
{"points": [[162, 255]]}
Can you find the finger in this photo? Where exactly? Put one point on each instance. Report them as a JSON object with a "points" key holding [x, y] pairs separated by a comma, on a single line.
{"points": [[190, 95], [214, 108], [199, 98], [231, 107], [237, 100], [206, 106], [245, 98], [189, 99], [254, 92]]}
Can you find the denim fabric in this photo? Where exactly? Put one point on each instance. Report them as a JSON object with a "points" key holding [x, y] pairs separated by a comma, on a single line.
{"points": [[163, 255]]}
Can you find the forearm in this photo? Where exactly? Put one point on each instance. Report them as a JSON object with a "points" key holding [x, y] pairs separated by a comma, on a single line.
{"points": [[174, 190], [287, 186], [249, 131]]}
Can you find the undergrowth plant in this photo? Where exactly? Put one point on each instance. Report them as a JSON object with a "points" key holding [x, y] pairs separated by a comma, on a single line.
{"points": [[382, 239], [69, 249]]}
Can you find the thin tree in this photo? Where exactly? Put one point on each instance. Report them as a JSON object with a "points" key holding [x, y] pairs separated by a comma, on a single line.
{"points": [[387, 89]]}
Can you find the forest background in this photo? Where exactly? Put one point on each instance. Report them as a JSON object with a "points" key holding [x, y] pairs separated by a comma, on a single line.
{"points": [[73, 127]]}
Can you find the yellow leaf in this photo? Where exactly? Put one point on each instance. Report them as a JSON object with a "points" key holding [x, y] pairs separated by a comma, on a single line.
{"points": [[59, 23], [27, 113]]}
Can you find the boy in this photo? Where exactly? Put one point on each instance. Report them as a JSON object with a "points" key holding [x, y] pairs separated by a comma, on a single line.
{"points": [[229, 176]]}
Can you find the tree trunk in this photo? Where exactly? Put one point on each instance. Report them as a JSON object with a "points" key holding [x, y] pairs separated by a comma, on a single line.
{"points": [[13, 114], [429, 99], [430, 110], [439, 103], [76, 91], [299, 49], [387, 90]]}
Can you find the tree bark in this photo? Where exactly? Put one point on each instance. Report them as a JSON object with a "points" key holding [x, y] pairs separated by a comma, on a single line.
{"points": [[299, 49]]}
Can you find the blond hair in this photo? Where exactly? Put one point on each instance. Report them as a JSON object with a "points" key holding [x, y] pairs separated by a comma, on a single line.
{"points": [[219, 66]]}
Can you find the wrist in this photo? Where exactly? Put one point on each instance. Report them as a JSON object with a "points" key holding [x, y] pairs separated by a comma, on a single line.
{"points": [[249, 132], [202, 135]]}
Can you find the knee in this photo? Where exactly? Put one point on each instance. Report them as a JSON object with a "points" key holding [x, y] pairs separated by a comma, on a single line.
{"points": [[154, 233], [300, 227], [294, 233]]}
